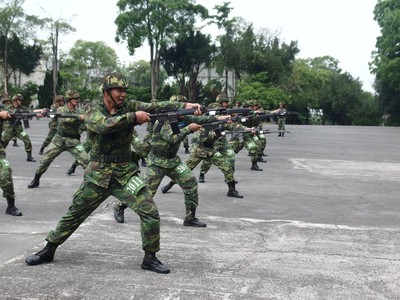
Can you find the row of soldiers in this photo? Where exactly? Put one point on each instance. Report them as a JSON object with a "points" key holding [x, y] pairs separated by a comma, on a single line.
{"points": [[110, 169]]}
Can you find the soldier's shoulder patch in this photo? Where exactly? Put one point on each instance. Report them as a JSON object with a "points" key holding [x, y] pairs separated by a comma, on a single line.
{"points": [[88, 108]]}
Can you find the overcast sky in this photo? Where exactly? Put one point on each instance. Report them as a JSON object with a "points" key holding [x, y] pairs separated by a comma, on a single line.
{"points": [[343, 29]]}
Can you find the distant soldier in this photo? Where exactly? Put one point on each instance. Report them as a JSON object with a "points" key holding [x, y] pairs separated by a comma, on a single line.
{"points": [[281, 118], [67, 137], [12, 128], [59, 101]]}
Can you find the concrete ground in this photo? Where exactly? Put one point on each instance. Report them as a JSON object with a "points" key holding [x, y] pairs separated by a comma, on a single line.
{"points": [[322, 221]]}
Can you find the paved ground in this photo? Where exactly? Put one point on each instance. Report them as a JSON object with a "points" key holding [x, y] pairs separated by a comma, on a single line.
{"points": [[322, 221]]}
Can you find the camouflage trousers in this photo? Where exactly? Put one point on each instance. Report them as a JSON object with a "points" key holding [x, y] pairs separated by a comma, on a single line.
{"points": [[21, 134], [6, 181], [223, 159], [181, 174], [263, 142], [78, 152], [89, 196], [250, 142], [281, 123], [52, 132]]}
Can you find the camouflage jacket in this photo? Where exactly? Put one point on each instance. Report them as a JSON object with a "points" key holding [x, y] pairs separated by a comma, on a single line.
{"points": [[2, 150], [111, 139], [165, 144], [11, 124], [68, 129], [209, 142], [54, 122]]}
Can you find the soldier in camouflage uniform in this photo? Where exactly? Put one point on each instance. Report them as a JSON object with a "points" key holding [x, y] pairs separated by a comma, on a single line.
{"points": [[164, 161], [222, 101], [261, 136], [59, 101], [109, 124], [12, 129], [210, 148], [8, 103], [281, 118], [249, 140], [67, 137], [6, 181]]}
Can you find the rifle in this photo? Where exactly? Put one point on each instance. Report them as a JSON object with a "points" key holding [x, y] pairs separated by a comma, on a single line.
{"points": [[226, 111], [24, 116], [264, 131], [216, 125], [172, 116], [60, 115]]}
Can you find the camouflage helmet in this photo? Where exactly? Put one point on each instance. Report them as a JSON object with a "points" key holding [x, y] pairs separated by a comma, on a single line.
{"points": [[222, 98], [18, 97], [214, 105], [153, 100], [59, 98], [114, 80], [247, 103], [6, 100], [179, 98], [71, 94]]}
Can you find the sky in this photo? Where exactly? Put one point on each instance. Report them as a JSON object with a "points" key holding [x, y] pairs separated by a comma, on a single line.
{"points": [[342, 29]]}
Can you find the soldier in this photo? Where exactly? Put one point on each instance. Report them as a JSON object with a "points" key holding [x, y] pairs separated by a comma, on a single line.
{"points": [[109, 123], [6, 181], [67, 137], [12, 128], [59, 101], [281, 116], [164, 161], [7, 102], [249, 140], [213, 149], [261, 136]]}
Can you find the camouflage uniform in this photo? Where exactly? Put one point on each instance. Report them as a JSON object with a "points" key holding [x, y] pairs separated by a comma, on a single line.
{"points": [[281, 112], [6, 181], [52, 124], [210, 149], [67, 138], [15, 129], [249, 141]]}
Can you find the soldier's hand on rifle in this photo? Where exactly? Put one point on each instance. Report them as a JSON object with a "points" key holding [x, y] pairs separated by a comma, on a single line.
{"points": [[4, 114], [196, 106], [224, 117], [194, 127], [141, 117]]}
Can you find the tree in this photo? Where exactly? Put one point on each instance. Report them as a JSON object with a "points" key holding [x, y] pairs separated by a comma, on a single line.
{"points": [[23, 59], [386, 58], [156, 22], [140, 73], [90, 60], [183, 60]]}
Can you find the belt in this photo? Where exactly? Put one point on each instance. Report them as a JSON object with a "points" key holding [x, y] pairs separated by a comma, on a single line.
{"points": [[111, 158], [208, 144], [72, 136], [163, 155]]}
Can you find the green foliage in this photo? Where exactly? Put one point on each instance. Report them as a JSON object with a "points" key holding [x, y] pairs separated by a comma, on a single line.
{"points": [[386, 60], [139, 93]]}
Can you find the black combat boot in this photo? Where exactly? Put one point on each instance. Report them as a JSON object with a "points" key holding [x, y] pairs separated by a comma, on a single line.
{"points": [[119, 211], [41, 151], [72, 169], [151, 263], [12, 209], [167, 187], [255, 167], [283, 134], [280, 134], [44, 255], [29, 156], [15, 144], [232, 192], [191, 219], [187, 150], [261, 159], [35, 182], [201, 178]]}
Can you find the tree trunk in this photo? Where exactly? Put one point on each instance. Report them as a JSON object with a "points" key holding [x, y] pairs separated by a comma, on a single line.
{"points": [[155, 74]]}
